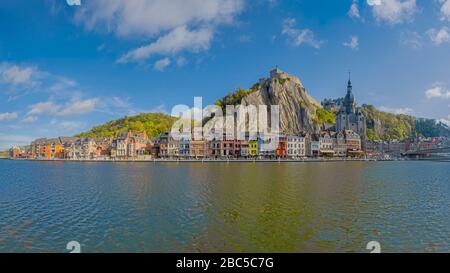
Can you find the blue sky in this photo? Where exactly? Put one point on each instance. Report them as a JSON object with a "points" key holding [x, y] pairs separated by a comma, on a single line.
{"points": [[65, 68]]}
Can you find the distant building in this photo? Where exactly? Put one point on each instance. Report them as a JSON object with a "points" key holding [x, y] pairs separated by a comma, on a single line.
{"points": [[16, 152]]}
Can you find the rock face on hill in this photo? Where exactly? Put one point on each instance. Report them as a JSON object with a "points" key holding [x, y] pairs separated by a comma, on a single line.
{"points": [[297, 108]]}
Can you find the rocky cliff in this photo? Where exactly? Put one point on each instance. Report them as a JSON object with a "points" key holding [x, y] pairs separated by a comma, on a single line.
{"points": [[297, 107]]}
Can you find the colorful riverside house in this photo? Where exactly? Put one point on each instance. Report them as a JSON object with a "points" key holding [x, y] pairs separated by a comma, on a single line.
{"points": [[68, 143], [231, 148], [47, 148], [282, 145], [253, 148], [184, 148], [168, 147], [103, 148], [130, 145], [16, 152], [173, 148], [83, 149], [198, 149], [353, 143], [245, 149]]}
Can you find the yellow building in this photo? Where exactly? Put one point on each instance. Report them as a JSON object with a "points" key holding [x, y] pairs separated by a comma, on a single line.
{"points": [[253, 148]]}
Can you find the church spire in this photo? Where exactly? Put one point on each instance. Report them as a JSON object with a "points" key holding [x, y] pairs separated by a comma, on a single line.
{"points": [[349, 100], [349, 84]]}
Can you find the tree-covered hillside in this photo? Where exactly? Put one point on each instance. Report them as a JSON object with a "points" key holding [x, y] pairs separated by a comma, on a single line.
{"points": [[152, 123], [387, 126]]}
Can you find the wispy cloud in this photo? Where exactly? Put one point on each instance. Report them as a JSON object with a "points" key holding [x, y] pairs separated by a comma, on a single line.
{"points": [[160, 65], [445, 9], [79, 107], [440, 36], [47, 107], [177, 40], [393, 11], [17, 75], [185, 25], [353, 12], [8, 116], [298, 36], [411, 39], [74, 107], [400, 110], [437, 90], [353, 43]]}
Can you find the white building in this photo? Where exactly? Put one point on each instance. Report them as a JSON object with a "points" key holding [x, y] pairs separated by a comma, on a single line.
{"points": [[296, 146]]}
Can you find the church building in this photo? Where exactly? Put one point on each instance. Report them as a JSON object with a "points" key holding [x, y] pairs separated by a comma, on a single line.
{"points": [[351, 117]]}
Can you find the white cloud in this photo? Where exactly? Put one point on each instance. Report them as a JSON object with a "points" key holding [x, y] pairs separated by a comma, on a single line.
{"points": [[8, 116], [74, 107], [403, 111], [173, 26], [445, 9], [29, 119], [353, 43], [79, 107], [393, 11], [411, 39], [161, 64], [61, 84], [43, 108], [151, 17], [354, 10], [438, 90], [299, 36], [439, 37], [21, 80], [175, 41], [17, 75]]}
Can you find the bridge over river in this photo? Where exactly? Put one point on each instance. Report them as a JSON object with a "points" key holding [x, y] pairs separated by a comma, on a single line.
{"points": [[437, 152]]}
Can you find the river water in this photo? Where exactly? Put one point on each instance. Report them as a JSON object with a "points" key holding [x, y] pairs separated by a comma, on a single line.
{"points": [[220, 207]]}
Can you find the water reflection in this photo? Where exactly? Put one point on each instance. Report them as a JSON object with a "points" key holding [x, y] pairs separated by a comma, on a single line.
{"points": [[220, 207]]}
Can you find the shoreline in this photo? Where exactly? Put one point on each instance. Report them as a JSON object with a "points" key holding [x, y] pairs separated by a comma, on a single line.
{"points": [[210, 160]]}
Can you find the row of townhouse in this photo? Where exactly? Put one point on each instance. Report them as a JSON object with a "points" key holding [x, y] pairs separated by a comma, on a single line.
{"points": [[343, 143], [126, 146], [136, 145]]}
